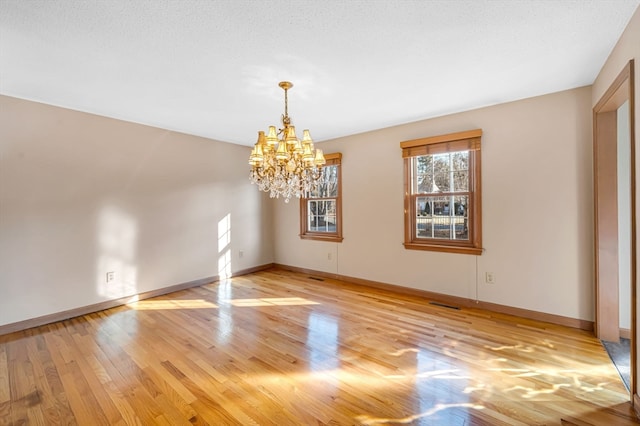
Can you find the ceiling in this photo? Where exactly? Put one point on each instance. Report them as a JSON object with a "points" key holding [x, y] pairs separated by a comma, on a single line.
{"points": [[211, 67]]}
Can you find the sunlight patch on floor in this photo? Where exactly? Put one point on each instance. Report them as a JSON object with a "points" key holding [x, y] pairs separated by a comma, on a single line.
{"points": [[146, 305], [152, 304], [272, 301], [368, 420]]}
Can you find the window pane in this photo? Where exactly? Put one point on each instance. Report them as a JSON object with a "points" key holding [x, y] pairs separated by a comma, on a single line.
{"points": [[424, 217], [441, 173], [433, 226], [460, 160], [460, 181], [322, 216], [442, 227], [311, 217], [442, 182], [423, 207], [425, 183], [423, 172], [328, 185], [440, 206], [435, 218], [461, 221], [424, 228], [461, 204], [424, 164], [441, 163]]}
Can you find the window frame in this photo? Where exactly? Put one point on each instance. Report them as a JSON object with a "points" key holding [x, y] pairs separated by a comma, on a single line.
{"points": [[461, 141], [334, 159]]}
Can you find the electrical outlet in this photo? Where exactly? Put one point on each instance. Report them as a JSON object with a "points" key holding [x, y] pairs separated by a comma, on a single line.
{"points": [[489, 278], [329, 256], [241, 254], [111, 275]]}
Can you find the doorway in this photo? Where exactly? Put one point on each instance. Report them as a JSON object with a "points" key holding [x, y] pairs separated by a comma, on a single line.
{"points": [[614, 214]]}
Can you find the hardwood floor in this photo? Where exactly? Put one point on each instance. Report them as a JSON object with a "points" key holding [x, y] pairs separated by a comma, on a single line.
{"points": [[280, 348]]}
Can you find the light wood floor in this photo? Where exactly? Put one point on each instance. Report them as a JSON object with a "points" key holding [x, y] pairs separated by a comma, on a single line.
{"points": [[279, 348]]}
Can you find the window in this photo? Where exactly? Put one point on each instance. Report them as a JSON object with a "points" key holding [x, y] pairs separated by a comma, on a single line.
{"points": [[321, 210], [442, 202]]}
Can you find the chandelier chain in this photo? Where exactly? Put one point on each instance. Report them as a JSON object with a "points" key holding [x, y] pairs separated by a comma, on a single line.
{"points": [[286, 103]]}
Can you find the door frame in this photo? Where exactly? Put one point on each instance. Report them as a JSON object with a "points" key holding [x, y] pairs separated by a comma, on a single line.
{"points": [[607, 320]]}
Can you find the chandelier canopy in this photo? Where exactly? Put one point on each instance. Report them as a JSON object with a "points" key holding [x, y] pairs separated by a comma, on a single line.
{"points": [[281, 164]]}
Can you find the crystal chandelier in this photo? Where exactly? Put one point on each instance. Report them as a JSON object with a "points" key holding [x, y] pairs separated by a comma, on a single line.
{"points": [[281, 164]]}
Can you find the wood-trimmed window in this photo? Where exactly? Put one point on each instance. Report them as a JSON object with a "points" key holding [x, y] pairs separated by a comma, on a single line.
{"points": [[321, 209], [442, 193]]}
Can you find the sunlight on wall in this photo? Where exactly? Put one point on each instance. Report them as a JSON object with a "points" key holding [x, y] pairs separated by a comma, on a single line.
{"points": [[116, 269], [224, 249]]}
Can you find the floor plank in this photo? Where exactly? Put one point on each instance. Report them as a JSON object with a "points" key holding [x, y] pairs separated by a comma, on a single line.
{"points": [[283, 348]]}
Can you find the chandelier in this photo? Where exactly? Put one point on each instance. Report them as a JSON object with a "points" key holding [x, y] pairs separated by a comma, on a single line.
{"points": [[281, 164]]}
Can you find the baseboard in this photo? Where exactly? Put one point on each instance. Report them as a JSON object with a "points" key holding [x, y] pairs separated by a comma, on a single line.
{"points": [[439, 297], [251, 270], [84, 310], [625, 333], [452, 300], [636, 404]]}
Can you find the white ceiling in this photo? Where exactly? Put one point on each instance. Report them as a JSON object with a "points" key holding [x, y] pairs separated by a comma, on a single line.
{"points": [[211, 67]]}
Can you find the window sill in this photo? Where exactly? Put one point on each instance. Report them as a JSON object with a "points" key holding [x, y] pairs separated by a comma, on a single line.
{"points": [[321, 237], [444, 248]]}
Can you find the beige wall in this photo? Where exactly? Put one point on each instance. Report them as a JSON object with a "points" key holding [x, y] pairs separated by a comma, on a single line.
{"points": [[627, 48], [537, 209], [81, 195]]}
